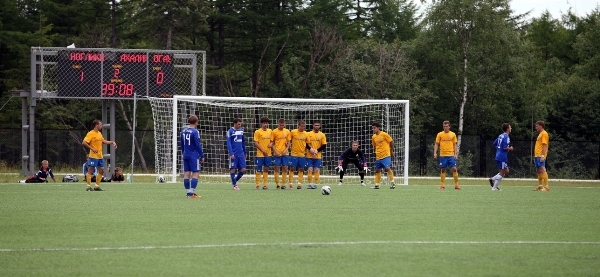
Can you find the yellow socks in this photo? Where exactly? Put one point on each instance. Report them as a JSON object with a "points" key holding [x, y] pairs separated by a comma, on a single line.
{"points": [[443, 178], [276, 175], [310, 177], [455, 176], [390, 174], [88, 179], [265, 178], [257, 179], [300, 176], [98, 179], [317, 175], [377, 177]]}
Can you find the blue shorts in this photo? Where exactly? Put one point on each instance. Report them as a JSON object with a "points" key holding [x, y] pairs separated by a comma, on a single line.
{"points": [[502, 165], [192, 165], [383, 163], [281, 161], [447, 161], [298, 162], [538, 163], [262, 161], [315, 163], [238, 162], [95, 162]]}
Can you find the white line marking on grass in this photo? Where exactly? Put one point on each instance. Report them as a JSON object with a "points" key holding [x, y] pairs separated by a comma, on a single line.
{"points": [[233, 245]]}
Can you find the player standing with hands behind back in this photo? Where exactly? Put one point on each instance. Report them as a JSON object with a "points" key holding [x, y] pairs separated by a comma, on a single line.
{"points": [[93, 141], [446, 141], [540, 154], [191, 151]]}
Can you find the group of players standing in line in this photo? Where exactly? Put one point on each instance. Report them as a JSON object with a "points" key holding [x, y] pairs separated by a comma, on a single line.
{"points": [[273, 147], [291, 151]]}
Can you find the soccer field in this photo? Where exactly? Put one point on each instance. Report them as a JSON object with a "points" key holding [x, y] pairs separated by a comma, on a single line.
{"points": [[149, 229]]}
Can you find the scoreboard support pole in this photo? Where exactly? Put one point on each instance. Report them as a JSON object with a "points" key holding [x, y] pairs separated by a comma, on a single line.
{"points": [[108, 126]]}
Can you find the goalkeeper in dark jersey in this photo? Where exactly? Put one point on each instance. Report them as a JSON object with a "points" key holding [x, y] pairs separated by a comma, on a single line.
{"points": [[355, 156]]}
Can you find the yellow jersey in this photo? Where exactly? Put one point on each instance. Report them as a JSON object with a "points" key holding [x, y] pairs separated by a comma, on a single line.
{"points": [[446, 142], [95, 140], [281, 139], [542, 139], [263, 138], [299, 141], [315, 140], [381, 142]]}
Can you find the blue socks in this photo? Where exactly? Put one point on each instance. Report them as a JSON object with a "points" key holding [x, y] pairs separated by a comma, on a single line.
{"points": [[233, 179], [186, 185], [239, 176]]}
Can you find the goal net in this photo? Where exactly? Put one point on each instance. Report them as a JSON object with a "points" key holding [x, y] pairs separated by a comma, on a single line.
{"points": [[342, 121]]}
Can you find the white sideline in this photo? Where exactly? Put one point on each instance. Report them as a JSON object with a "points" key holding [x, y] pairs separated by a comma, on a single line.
{"points": [[232, 245]]}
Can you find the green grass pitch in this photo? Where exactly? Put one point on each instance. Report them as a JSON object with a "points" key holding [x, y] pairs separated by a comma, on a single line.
{"points": [[149, 229]]}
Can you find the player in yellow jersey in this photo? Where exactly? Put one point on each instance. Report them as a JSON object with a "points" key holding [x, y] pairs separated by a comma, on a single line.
{"points": [[316, 144], [541, 154], [446, 142], [383, 145], [280, 139], [298, 155], [262, 142], [93, 141]]}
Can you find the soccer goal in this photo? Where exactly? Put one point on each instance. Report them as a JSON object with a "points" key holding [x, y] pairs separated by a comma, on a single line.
{"points": [[342, 121]]}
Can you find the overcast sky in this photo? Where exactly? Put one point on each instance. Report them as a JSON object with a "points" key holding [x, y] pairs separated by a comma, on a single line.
{"points": [[537, 7], [555, 7]]}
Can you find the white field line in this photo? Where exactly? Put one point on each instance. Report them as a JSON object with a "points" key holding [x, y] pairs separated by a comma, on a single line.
{"points": [[237, 245]]}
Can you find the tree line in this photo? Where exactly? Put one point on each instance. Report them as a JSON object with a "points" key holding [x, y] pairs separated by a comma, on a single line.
{"points": [[475, 63]]}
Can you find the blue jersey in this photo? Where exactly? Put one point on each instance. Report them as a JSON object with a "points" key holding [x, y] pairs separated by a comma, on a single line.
{"points": [[503, 141], [191, 148], [236, 144]]}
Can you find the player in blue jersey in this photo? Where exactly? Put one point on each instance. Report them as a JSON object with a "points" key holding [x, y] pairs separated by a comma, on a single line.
{"points": [[191, 151], [236, 144], [502, 144]]}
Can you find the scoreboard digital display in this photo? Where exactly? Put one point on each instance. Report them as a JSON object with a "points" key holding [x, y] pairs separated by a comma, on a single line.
{"points": [[114, 74]]}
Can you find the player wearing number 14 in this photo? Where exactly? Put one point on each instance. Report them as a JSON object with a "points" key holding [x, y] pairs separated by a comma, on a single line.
{"points": [[191, 151]]}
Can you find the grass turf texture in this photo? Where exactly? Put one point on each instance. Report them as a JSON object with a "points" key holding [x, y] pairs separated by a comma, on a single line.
{"points": [[149, 229]]}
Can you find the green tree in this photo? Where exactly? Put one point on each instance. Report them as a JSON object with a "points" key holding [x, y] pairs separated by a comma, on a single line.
{"points": [[470, 56]]}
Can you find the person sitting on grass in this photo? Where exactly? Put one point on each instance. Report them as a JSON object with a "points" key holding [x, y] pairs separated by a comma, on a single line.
{"points": [[117, 176], [42, 175]]}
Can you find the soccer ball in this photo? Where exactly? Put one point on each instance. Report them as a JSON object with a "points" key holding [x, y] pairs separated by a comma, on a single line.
{"points": [[325, 190], [161, 179]]}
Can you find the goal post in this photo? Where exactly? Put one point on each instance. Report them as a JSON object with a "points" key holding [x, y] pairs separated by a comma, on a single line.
{"points": [[342, 121]]}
